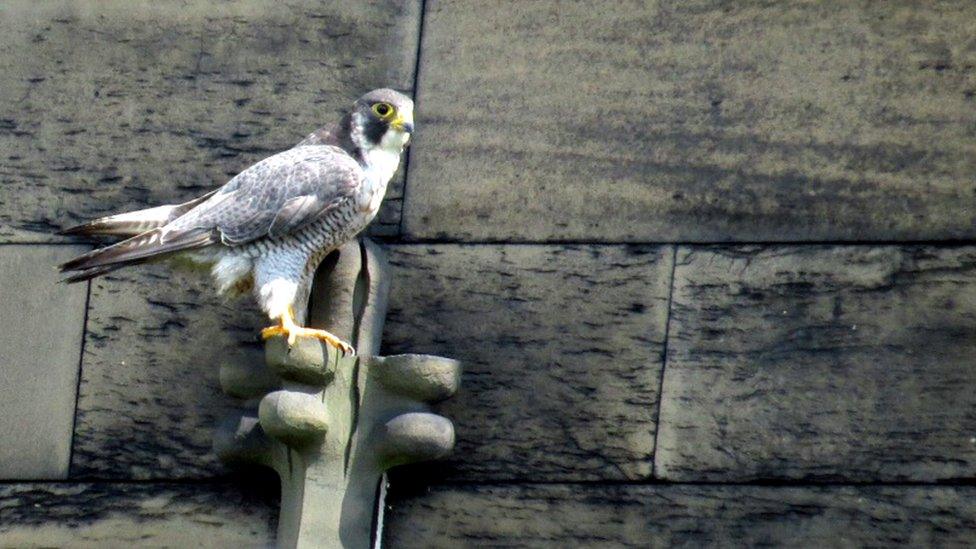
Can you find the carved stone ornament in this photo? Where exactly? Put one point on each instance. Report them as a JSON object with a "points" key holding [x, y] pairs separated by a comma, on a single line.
{"points": [[331, 425]]}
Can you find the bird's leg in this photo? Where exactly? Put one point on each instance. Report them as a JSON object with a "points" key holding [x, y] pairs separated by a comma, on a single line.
{"points": [[292, 331]]}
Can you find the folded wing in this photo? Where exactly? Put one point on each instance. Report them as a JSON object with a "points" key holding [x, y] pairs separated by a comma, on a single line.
{"points": [[273, 198]]}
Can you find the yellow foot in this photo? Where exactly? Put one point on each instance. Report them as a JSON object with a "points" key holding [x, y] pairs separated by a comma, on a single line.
{"points": [[295, 332]]}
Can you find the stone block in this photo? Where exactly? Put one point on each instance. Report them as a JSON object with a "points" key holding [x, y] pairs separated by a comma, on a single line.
{"points": [[42, 325], [562, 351], [610, 516], [841, 363], [100, 515], [695, 121], [150, 391]]}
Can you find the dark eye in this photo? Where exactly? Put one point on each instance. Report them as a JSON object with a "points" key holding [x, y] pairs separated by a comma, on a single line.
{"points": [[383, 110]]}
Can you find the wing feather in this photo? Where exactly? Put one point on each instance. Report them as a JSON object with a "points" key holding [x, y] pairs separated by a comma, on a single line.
{"points": [[278, 195], [275, 197]]}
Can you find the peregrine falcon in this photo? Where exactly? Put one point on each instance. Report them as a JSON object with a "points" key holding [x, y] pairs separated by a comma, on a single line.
{"points": [[269, 227]]}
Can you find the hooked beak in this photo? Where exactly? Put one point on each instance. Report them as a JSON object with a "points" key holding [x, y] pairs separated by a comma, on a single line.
{"points": [[403, 124]]}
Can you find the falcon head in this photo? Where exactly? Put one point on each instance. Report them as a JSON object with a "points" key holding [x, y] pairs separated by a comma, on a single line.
{"points": [[382, 119]]}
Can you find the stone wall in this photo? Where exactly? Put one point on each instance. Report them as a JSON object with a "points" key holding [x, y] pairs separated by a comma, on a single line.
{"points": [[710, 265]]}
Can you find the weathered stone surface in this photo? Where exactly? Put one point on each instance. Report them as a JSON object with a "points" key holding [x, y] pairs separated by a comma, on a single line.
{"points": [[295, 417], [42, 325], [150, 390], [234, 514], [416, 436], [682, 516], [821, 362], [421, 377], [561, 347], [695, 121], [117, 105]]}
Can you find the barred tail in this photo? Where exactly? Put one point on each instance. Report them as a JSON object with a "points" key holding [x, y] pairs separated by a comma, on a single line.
{"points": [[138, 249]]}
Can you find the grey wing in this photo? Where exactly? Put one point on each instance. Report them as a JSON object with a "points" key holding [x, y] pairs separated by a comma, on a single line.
{"points": [[278, 195], [274, 197]]}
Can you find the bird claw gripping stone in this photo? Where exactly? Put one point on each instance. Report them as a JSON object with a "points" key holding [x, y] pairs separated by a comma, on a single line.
{"points": [[331, 425]]}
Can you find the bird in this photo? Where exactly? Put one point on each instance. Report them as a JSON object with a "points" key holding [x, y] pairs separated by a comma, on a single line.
{"points": [[267, 229]]}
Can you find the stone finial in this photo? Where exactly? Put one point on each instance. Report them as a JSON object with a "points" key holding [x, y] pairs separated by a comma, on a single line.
{"points": [[331, 425]]}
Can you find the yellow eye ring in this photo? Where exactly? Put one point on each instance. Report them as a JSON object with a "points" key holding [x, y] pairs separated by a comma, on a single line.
{"points": [[383, 110]]}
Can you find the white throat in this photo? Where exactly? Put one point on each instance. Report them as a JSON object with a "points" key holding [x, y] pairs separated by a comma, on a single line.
{"points": [[381, 161]]}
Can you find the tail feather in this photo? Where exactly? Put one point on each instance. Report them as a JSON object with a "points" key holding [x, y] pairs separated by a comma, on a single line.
{"points": [[138, 249], [89, 274], [135, 223]]}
